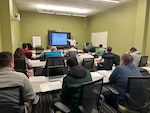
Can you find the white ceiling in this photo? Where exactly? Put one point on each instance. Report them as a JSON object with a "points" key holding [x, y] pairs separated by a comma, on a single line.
{"points": [[91, 6]]}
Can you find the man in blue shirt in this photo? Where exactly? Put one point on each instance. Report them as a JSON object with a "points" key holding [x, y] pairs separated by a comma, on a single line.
{"points": [[119, 79], [53, 52]]}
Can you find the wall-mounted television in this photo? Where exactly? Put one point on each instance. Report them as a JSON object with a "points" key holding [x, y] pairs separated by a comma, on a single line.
{"points": [[59, 39]]}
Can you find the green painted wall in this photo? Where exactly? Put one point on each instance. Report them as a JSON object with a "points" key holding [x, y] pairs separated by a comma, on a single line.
{"points": [[10, 30], [0, 40], [33, 23], [5, 25], [120, 24], [15, 27], [147, 50]]}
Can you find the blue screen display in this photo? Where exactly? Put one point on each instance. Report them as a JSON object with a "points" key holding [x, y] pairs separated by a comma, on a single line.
{"points": [[59, 39]]}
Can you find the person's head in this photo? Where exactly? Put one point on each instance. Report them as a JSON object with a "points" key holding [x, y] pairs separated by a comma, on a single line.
{"points": [[109, 49], [126, 59], [48, 47], [54, 48], [71, 62], [133, 49], [6, 59], [19, 53], [85, 50], [100, 46], [24, 45]]}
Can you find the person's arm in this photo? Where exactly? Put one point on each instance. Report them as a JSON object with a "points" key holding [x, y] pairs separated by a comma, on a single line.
{"points": [[114, 75], [65, 91], [29, 94]]}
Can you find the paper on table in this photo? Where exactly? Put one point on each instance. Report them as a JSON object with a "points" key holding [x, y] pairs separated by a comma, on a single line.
{"points": [[37, 79], [96, 76], [44, 87], [50, 86], [105, 73]]}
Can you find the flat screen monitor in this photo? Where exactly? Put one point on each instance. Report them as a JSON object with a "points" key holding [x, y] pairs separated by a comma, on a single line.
{"points": [[59, 39]]}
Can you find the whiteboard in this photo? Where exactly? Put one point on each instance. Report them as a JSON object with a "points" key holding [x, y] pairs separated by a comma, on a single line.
{"points": [[36, 40], [99, 38]]}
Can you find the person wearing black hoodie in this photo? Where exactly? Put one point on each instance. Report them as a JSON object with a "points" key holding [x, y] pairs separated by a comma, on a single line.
{"points": [[75, 77]]}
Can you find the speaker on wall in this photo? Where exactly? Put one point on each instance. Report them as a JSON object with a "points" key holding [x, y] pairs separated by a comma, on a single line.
{"points": [[16, 17]]}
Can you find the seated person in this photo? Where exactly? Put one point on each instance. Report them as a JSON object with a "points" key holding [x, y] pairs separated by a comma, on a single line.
{"points": [[136, 56], [48, 49], [75, 77], [100, 51], [89, 46], [119, 79], [19, 54], [27, 52], [72, 49], [25, 48], [53, 52], [9, 77], [86, 55], [107, 53]]}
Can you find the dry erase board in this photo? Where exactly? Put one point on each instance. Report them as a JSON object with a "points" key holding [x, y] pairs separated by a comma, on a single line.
{"points": [[99, 38], [36, 40]]}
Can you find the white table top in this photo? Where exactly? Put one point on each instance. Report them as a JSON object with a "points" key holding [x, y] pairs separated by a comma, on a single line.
{"points": [[42, 83], [38, 63]]}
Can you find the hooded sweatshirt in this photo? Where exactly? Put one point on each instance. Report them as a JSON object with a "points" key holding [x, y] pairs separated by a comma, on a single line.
{"points": [[71, 85]]}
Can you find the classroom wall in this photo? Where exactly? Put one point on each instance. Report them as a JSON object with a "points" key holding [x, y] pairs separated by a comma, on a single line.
{"points": [[10, 31], [147, 43], [15, 28], [120, 24], [33, 23], [0, 40]]}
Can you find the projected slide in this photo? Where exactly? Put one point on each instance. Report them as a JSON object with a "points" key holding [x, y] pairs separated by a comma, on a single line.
{"points": [[59, 39]]}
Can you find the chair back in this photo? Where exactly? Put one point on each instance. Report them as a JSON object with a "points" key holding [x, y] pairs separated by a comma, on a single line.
{"points": [[39, 50], [20, 65], [55, 66], [11, 100], [73, 53], [143, 61], [116, 60], [108, 62], [138, 93], [89, 98], [88, 63]]}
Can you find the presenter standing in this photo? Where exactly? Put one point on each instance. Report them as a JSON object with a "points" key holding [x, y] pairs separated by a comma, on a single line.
{"points": [[72, 41]]}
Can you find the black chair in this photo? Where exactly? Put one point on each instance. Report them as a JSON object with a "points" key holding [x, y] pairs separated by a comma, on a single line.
{"points": [[11, 100], [137, 95], [88, 63], [143, 61], [72, 53], [89, 99], [20, 65], [55, 66], [107, 64], [116, 59], [39, 50]]}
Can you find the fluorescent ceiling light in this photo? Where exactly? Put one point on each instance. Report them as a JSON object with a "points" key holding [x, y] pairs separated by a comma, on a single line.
{"points": [[99, 1], [61, 8], [113, 1], [66, 14], [80, 15], [47, 12]]}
